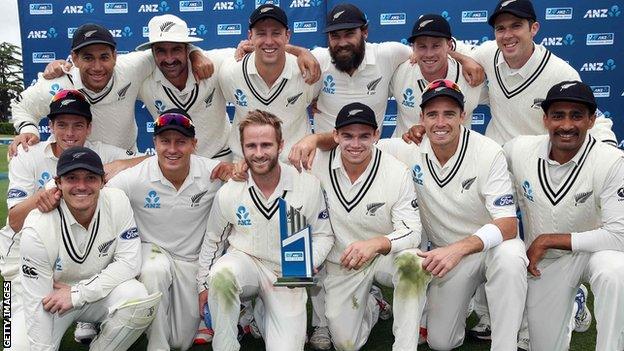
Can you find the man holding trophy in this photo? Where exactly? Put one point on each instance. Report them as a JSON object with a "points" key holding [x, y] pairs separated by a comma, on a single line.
{"points": [[247, 218]]}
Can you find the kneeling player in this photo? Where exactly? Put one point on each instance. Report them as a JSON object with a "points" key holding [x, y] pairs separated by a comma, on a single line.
{"points": [[571, 191], [78, 262], [245, 217]]}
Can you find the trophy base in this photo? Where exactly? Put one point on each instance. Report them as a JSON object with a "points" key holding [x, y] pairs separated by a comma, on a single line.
{"points": [[295, 282]]}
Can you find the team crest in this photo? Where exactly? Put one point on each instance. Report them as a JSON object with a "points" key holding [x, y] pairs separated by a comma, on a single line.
{"points": [[195, 199], [371, 86], [293, 99], [466, 184], [121, 94], [208, 100], [373, 207], [582, 197]]}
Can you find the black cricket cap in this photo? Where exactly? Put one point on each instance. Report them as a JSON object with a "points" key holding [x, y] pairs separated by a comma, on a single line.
{"points": [[92, 33], [175, 119], [70, 102], [79, 157], [356, 113], [431, 25], [572, 91], [442, 87], [344, 16], [519, 8], [268, 11]]}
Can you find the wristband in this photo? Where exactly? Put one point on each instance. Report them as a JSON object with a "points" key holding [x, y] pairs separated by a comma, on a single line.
{"points": [[491, 236]]}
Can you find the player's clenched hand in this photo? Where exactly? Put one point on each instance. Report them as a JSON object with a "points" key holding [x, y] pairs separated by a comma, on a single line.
{"points": [[59, 301], [47, 200], [201, 65], [243, 48], [441, 260], [415, 134], [26, 140], [223, 171], [302, 153], [473, 72], [203, 299], [309, 67], [360, 252], [535, 253], [239, 174], [56, 69]]}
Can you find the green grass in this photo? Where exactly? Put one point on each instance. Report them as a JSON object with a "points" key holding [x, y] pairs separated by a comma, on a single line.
{"points": [[380, 339]]}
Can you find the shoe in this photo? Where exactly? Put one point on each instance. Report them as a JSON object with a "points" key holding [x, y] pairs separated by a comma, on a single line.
{"points": [[582, 315], [320, 339], [422, 336], [481, 331], [85, 333], [385, 309], [252, 328], [523, 344], [203, 336]]}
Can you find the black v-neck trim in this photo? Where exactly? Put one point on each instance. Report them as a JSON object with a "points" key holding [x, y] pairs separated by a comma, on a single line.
{"points": [[68, 242], [269, 211], [501, 82], [333, 174], [442, 182], [262, 99]]}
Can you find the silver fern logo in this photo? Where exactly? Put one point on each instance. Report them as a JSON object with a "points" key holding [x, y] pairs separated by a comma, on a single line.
{"points": [[103, 248], [373, 207], [580, 198], [195, 199], [293, 99], [373, 85], [165, 27], [466, 184], [208, 100]]}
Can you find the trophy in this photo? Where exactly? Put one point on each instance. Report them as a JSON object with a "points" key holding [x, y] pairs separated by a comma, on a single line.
{"points": [[296, 245]]}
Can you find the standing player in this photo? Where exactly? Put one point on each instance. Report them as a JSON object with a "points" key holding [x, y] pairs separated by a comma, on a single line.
{"points": [[80, 261], [432, 42], [244, 219], [571, 191], [268, 79], [374, 215], [29, 172], [171, 196], [467, 207]]}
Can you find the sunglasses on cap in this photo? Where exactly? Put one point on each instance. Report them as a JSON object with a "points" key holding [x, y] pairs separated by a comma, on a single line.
{"points": [[443, 83], [62, 94], [167, 119]]}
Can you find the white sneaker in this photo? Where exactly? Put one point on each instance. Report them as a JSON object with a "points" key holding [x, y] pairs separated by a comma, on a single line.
{"points": [[320, 339], [582, 315], [385, 309], [85, 332], [523, 344]]}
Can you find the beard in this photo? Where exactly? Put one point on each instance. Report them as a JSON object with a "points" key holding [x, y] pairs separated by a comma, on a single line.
{"points": [[347, 63], [273, 161]]}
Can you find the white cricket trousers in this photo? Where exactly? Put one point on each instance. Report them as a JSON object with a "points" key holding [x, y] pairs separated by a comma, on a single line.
{"points": [[238, 276], [352, 311], [503, 269], [177, 318], [549, 296]]}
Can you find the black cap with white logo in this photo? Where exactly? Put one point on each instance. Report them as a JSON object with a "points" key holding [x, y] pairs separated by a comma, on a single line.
{"points": [[572, 91], [519, 8], [442, 87], [70, 102], [431, 26], [345, 16], [356, 113], [268, 11], [79, 157], [92, 33]]}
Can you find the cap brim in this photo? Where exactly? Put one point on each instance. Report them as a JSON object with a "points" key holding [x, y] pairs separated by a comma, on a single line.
{"points": [[428, 34], [114, 45], [340, 26], [546, 103], [447, 94], [77, 113], [75, 166], [271, 16], [177, 128], [149, 44], [514, 12], [356, 121]]}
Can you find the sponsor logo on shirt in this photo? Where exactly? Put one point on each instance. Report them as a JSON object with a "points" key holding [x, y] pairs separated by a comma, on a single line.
{"points": [[372, 85], [504, 200], [58, 264], [373, 207], [160, 106], [15, 193], [241, 98], [130, 234], [527, 190], [467, 183], [414, 203], [559, 13], [195, 199], [29, 272], [323, 214], [620, 194], [408, 97], [103, 248], [40, 9], [243, 216], [45, 177], [417, 175], [329, 86], [152, 200], [580, 198]]}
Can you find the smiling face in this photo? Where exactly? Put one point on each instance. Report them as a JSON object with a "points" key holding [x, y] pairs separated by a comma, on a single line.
{"points": [[80, 189], [70, 131], [174, 151], [567, 124], [261, 148], [96, 64], [347, 48], [269, 37], [432, 55], [442, 119], [171, 59], [356, 143], [514, 36]]}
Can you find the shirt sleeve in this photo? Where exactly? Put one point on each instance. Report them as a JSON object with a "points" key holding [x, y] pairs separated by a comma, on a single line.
{"points": [[217, 232], [140, 64], [112, 153], [218, 56], [32, 105], [405, 217], [396, 52], [21, 181], [322, 234], [498, 189], [611, 235], [37, 283]]}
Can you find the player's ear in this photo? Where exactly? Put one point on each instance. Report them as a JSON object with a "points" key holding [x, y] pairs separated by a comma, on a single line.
{"points": [[534, 28], [281, 147], [335, 135], [249, 34], [376, 135], [287, 35]]}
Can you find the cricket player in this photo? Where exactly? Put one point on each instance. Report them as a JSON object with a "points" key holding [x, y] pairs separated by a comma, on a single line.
{"points": [[29, 173], [467, 207], [244, 220], [431, 42], [171, 196], [268, 79], [79, 261], [571, 193]]}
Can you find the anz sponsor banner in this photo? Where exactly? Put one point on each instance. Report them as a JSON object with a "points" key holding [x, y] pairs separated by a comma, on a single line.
{"points": [[586, 34]]}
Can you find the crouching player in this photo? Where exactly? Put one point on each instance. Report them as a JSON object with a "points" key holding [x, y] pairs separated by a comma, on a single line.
{"points": [[245, 217], [79, 261]]}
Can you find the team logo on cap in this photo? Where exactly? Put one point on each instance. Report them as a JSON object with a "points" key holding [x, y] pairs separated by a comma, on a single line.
{"points": [[354, 112], [165, 27], [338, 14], [424, 23], [79, 155], [566, 86], [507, 3], [67, 102], [90, 33], [266, 9]]}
